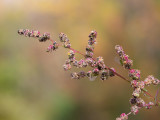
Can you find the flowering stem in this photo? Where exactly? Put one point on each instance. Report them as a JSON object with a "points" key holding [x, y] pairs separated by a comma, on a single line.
{"points": [[119, 76], [98, 64], [145, 91]]}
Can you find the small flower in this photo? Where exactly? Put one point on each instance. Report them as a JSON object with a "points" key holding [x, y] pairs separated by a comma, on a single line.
{"points": [[119, 50], [90, 61], [104, 75], [71, 54], [67, 67], [140, 102], [135, 109], [82, 63], [52, 47], [124, 58], [100, 59], [55, 45], [100, 63], [49, 49], [141, 84], [31, 33], [133, 100], [89, 54], [148, 80], [68, 61], [47, 35], [92, 37], [134, 74], [134, 83], [149, 105], [156, 81], [136, 92], [36, 33], [127, 64], [123, 116], [93, 34], [26, 32], [21, 31], [71, 57], [82, 74], [95, 72], [79, 75], [75, 63], [67, 45], [63, 38], [75, 75], [89, 48]]}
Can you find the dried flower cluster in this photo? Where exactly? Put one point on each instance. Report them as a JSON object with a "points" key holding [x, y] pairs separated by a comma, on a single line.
{"points": [[97, 65], [138, 85], [98, 68], [41, 38]]}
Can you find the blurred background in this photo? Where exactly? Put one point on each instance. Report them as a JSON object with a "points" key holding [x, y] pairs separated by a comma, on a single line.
{"points": [[33, 84]]}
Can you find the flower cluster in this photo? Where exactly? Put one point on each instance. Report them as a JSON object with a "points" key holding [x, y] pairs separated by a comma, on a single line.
{"points": [[124, 58], [53, 47], [34, 33], [123, 116], [134, 74], [97, 65], [138, 85], [90, 47], [63, 38], [41, 38], [151, 80]]}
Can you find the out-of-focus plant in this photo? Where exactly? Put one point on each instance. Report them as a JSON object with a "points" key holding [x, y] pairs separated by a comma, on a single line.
{"points": [[98, 68]]}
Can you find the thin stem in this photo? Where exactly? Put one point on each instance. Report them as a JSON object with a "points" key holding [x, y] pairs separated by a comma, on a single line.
{"points": [[118, 74], [76, 51], [51, 41]]}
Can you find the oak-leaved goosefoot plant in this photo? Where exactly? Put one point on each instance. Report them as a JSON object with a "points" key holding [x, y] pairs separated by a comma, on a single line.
{"points": [[98, 68]]}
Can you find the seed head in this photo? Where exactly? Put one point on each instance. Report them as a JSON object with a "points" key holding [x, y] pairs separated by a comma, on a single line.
{"points": [[134, 74], [75, 75], [134, 109], [104, 75]]}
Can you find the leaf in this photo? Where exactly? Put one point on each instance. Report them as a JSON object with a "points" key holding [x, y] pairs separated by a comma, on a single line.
{"points": [[145, 89], [121, 62]]}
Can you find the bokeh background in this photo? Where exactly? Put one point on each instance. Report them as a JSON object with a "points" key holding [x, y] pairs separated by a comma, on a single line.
{"points": [[33, 85]]}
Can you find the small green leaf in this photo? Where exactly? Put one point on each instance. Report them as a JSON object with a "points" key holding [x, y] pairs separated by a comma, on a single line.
{"points": [[145, 89], [121, 62]]}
